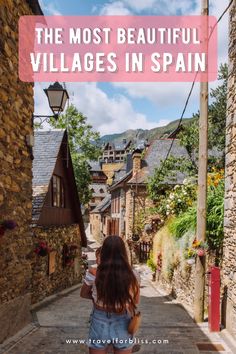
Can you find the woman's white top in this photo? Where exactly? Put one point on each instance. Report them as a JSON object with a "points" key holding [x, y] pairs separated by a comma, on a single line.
{"points": [[89, 280]]}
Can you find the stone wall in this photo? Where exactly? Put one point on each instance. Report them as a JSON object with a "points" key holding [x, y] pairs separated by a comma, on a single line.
{"points": [[64, 276], [181, 284], [136, 202], [229, 260], [16, 110]]}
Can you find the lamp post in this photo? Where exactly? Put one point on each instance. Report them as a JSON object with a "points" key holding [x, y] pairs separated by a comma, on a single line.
{"points": [[57, 98]]}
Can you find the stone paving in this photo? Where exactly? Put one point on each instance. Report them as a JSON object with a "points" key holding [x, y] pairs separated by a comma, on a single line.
{"points": [[163, 320]]}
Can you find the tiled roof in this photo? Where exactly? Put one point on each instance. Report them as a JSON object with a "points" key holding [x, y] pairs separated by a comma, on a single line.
{"points": [[157, 152], [46, 148], [103, 205]]}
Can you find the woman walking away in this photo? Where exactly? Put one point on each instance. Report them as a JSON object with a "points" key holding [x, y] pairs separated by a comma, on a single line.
{"points": [[115, 294]]}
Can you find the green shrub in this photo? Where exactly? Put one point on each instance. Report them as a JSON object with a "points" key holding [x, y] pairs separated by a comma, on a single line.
{"points": [[150, 263], [215, 218]]}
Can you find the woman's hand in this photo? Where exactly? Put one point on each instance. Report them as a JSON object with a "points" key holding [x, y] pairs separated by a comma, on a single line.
{"points": [[86, 292]]}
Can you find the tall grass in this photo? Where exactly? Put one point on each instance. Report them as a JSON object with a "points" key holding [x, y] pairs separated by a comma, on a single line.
{"points": [[184, 222]]}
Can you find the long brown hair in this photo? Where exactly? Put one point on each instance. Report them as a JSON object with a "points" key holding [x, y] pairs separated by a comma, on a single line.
{"points": [[115, 281]]}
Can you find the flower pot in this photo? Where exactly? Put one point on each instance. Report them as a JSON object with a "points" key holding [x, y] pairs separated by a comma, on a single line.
{"points": [[43, 252], [201, 252], [190, 261], [135, 238]]}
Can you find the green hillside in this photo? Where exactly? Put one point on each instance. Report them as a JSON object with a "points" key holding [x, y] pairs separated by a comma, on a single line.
{"points": [[151, 134]]}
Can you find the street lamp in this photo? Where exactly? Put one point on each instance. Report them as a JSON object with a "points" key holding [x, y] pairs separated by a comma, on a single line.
{"points": [[57, 98]]}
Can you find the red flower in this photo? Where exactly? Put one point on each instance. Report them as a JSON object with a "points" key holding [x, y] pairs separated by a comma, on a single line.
{"points": [[201, 252]]}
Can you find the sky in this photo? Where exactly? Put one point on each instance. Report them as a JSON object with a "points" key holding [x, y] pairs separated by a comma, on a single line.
{"points": [[116, 107]]}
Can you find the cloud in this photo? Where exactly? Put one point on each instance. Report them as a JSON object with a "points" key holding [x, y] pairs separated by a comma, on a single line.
{"points": [[106, 114], [139, 5], [50, 8], [160, 93], [114, 8], [160, 7]]}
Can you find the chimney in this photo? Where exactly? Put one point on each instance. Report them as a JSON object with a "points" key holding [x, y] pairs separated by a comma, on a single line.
{"points": [[124, 141], [136, 156]]}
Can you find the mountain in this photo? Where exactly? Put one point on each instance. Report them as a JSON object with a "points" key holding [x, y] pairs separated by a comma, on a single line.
{"points": [[151, 134]]}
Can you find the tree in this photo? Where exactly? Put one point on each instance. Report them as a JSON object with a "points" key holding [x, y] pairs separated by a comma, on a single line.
{"points": [[189, 138], [217, 111], [84, 147], [217, 119]]}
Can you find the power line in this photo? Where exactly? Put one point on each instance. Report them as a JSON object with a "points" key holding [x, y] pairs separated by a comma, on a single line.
{"points": [[193, 83]]}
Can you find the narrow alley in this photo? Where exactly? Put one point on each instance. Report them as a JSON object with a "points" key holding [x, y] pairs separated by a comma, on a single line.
{"points": [[61, 325]]}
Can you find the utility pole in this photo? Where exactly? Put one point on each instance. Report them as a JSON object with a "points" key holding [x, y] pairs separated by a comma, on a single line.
{"points": [[202, 182]]}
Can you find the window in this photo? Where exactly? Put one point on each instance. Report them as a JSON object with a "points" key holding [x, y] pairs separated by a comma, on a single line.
{"points": [[58, 192]]}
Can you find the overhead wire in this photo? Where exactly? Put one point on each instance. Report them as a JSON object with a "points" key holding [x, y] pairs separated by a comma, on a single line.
{"points": [[193, 84]]}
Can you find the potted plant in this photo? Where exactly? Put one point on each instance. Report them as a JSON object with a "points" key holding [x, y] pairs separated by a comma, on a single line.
{"points": [[200, 247], [190, 255], [7, 225], [42, 249], [135, 238], [69, 254]]}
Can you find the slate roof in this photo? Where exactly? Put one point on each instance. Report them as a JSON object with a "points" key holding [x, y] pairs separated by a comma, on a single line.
{"points": [[46, 148], [122, 145], [47, 145], [157, 152], [97, 187], [119, 174], [103, 205], [95, 166], [117, 183], [118, 146]]}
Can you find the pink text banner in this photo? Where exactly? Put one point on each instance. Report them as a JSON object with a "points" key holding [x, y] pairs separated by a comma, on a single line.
{"points": [[117, 48]]}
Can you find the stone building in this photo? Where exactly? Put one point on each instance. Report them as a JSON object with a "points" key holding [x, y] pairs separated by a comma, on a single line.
{"points": [[16, 111], [118, 204], [116, 152], [56, 218], [98, 186], [229, 260], [100, 219], [137, 201]]}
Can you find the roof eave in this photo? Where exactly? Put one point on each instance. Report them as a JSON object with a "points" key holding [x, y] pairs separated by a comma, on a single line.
{"points": [[35, 7]]}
